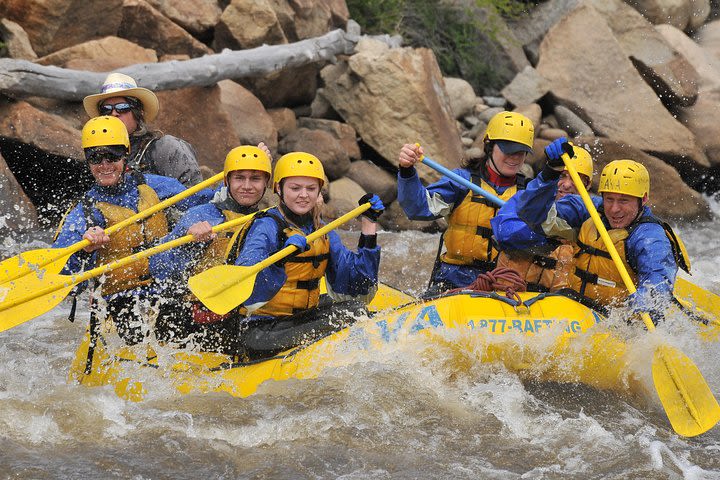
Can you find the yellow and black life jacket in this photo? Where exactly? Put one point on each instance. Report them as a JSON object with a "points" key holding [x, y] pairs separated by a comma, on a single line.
{"points": [[542, 273], [596, 276], [301, 290], [468, 236], [132, 239]]}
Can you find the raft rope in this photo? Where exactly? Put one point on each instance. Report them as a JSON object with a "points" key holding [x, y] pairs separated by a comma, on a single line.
{"points": [[502, 279]]}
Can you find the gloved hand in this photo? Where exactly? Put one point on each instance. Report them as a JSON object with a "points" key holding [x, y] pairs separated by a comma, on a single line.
{"points": [[298, 241], [554, 152], [376, 206]]}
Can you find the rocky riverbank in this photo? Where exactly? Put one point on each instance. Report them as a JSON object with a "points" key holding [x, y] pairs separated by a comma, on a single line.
{"points": [[640, 83]]}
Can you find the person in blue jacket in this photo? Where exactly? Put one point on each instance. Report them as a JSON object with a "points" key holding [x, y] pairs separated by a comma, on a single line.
{"points": [[544, 263], [648, 247], [118, 194], [467, 241], [288, 291], [182, 318]]}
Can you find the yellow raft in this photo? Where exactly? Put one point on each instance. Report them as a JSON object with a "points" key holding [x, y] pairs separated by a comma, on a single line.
{"points": [[545, 336]]}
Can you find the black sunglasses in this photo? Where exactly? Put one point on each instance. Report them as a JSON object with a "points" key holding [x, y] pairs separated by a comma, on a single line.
{"points": [[96, 157], [118, 107]]}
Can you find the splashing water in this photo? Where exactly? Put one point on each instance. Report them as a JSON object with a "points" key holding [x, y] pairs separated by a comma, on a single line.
{"points": [[402, 411]]}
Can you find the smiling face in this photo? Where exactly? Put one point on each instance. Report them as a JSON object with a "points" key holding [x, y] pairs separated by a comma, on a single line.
{"points": [[300, 194], [108, 173], [620, 209], [506, 165], [247, 187], [567, 187]]}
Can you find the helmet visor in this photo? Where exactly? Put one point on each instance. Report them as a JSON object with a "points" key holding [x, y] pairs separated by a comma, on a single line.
{"points": [[511, 148]]}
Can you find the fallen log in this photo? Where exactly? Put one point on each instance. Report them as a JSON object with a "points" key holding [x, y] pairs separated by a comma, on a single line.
{"points": [[21, 78]]}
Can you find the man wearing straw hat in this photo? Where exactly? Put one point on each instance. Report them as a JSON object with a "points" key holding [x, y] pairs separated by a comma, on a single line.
{"points": [[150, 151]]}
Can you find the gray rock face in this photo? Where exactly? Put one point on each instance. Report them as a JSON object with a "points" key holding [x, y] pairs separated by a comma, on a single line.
{"points": [[392, 97], [619, 105]]}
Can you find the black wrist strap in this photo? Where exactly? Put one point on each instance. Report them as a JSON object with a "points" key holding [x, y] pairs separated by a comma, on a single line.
{"points": [[367, 241]]}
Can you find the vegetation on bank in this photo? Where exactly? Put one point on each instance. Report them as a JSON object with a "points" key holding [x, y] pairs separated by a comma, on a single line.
{"points": [[464, 34]]}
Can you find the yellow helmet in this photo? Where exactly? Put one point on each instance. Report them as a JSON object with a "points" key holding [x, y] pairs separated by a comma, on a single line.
{"points": [[627, 177], [511, 127], [582, 161], [104, 131], [298, 164], [247, 157]]}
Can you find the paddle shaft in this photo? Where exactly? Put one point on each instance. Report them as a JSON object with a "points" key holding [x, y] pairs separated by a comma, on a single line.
{"points": [[97, 271], [465, 183], [76, 247], [280, 254]]}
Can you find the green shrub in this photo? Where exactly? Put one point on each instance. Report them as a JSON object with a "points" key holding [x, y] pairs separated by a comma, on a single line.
{"points": [[463, 34]]}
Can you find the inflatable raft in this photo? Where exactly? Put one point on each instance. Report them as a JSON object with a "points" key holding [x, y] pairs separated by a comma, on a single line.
{"points": [[547, 337]]}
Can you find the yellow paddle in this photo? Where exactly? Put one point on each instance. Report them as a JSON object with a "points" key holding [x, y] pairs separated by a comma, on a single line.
{"points": [[52, 260], [224, 287], [705, 302], [36, 295], [689, 404]]}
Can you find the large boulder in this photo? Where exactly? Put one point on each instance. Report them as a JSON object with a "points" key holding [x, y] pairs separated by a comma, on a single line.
{"points": [[670, 197], [16, 41], [55, 24], [343, 132], [197, 116], [122, 52], [674, 12], [696, 119], [374, 179], [665, 70], [323, 145], [395, 96], [707, 66], [248, 24], [144, 25], [198, 17], [248, 116], [23, 123], [607, 92]]}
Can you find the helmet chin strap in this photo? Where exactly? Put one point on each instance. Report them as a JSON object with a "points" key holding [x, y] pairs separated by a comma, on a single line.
{"points": [[489, 155]]}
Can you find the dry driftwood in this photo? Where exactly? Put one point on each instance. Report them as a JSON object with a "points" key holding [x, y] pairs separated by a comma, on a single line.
{"points": [[20, 78]]}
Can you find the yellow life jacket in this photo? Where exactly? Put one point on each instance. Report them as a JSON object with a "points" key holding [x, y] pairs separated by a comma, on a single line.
{"points": [[133, 238], [468, 236], [301, 291], [596, 275], [542, 273]]}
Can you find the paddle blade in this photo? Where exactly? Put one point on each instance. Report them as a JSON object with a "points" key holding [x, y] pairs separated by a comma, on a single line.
{"points": [[690, 405], [707, 301], [27, 286], [50, 260], [224, 287]]}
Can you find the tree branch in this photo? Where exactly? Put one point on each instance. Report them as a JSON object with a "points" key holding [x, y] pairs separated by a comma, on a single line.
{"points": [[21, 78]]}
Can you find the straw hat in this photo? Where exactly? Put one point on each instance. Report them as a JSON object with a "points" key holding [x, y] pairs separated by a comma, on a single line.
{"points": [[121, 85]]}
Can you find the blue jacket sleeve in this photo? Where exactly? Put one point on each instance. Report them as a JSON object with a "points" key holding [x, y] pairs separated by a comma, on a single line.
{"points": [[352, 273], [260, 243], [175, 262], [650, 254], [72, 229], [511, 233], [420, 203]]}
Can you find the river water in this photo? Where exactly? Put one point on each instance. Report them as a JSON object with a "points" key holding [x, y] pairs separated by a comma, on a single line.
{"points": [[400, 413]]}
